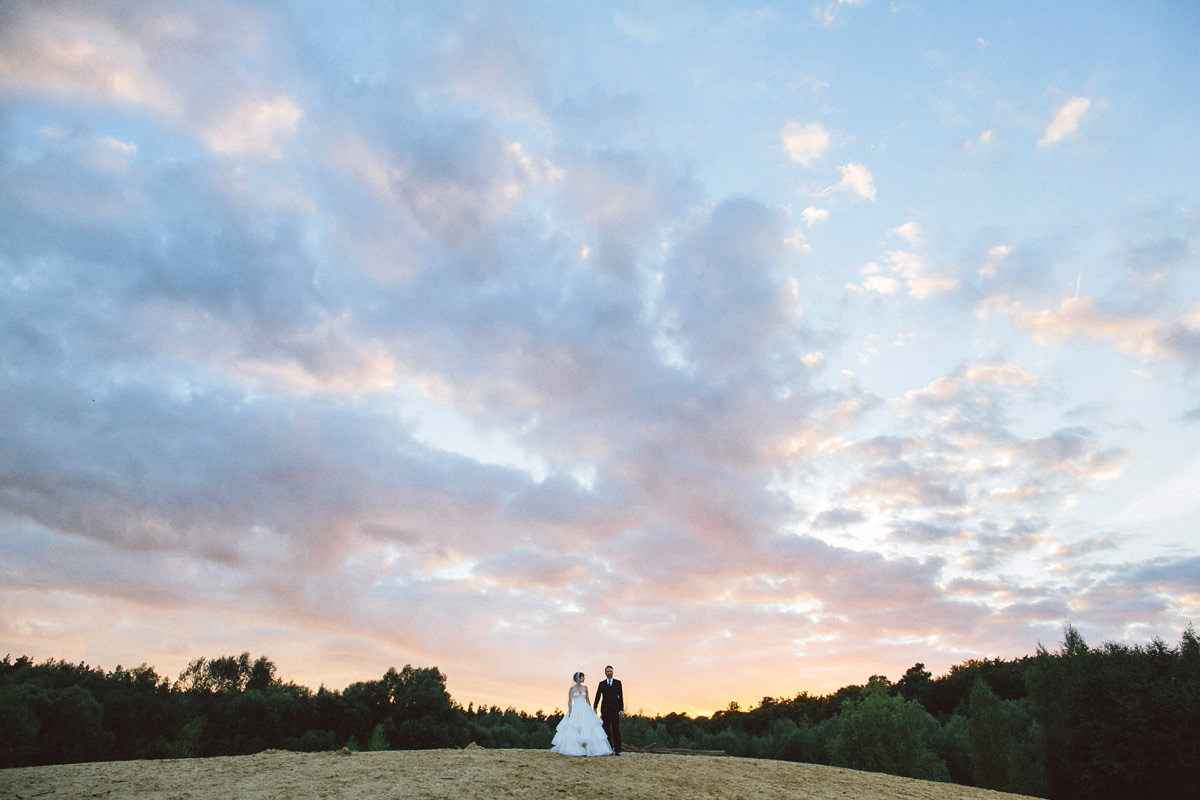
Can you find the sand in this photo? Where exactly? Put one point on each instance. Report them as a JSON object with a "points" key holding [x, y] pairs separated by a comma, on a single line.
{"points": [[473, 772]]}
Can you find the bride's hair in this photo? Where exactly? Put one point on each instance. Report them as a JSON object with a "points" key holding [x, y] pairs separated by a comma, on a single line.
{"points": [[577, 676]]}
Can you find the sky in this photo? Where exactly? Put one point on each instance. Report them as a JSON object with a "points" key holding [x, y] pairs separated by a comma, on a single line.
{"points": [[751, 349]]}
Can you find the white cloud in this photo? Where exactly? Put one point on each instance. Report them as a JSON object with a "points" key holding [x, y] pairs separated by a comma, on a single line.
{"points": [[494, 62], [1001, 374], [1084, 317], [81, 54], [813, 215], [909, 232], [941, 390], [922, 280], [904, 267], [875, 281], [828, 14], [1066, 121], [805, 144], [855, 178], [995, 257], [798, 241], [981, 141], [257, 130]]}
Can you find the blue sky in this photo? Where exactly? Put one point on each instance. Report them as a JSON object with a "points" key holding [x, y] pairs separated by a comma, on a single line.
{"points": [[753, 349]]}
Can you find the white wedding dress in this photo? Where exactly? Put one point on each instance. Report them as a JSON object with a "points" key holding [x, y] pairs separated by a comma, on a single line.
{"points": [[580, 733]]}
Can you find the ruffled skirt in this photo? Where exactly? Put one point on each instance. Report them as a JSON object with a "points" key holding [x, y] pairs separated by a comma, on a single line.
{"points": [[581, 734]]}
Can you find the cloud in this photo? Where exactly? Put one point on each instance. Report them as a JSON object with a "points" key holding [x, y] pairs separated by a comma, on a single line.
{"points": [[855, 178], [910, 232], [898, 486], [983, 140], [966, 384], [321, 330], [1155, 257], [828, 15], [925, 532], [495, 62], [814, 216], [875, 281], [995, 257], [725, 268], [805, 144], [87, 56], [1066, 121], [939, 391], [913, 270], [255, 131], [621, 198], [1001, 374], [837, 518], [1069, 450], [1085, 317]]}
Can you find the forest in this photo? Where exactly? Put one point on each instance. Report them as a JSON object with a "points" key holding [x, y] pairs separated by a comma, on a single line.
{"points": [[1112, 721]]}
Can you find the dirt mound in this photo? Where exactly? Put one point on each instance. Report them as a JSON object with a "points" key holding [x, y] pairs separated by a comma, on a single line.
{"points": [[473, 772]]}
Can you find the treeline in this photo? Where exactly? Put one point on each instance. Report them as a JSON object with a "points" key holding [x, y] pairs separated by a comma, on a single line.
{"points": [[1080, 722]]}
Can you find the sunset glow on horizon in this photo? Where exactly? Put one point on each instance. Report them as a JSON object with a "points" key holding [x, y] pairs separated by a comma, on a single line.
{"points": [[752, 349]]}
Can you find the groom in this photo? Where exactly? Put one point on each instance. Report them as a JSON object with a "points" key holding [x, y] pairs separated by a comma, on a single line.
{"points": [[612, 706]]}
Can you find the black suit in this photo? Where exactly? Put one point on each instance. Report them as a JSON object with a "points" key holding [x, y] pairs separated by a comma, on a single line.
{"points": [[612, 703]]}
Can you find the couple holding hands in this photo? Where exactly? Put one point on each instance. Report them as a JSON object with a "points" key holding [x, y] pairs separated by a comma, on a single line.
{"points": [[581, 732]]}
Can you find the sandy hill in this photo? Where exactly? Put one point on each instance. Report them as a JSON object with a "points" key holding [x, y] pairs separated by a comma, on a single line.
{"points": [[470, 773]]}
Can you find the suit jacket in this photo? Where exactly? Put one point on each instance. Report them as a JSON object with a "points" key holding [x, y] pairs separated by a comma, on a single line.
{"points": [[609, 698]]}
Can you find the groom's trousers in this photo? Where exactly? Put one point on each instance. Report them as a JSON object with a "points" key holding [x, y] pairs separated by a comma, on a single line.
{"points": [[612, 727]]}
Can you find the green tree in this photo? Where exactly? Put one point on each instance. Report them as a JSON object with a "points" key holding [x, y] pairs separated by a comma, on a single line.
{"points": [[916, 685], [954, 748], [1119, 721], [422, 715], [71, 727], [991, 745], [882, 733], [228, 674], [19, 724], [378, 740], [261, 675], [187, 742]]}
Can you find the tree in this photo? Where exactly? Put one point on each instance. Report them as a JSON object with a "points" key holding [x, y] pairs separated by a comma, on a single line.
{"points": [[882, 733], [187, 741], [71, 727], [916, 685], [19, 724], [228, 674], [954, 748], [1118, 721], [261, 674], [422, 713], [988, 737]]}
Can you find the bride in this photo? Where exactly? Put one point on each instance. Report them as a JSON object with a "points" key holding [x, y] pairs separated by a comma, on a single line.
{"points": [[580, 733]]}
